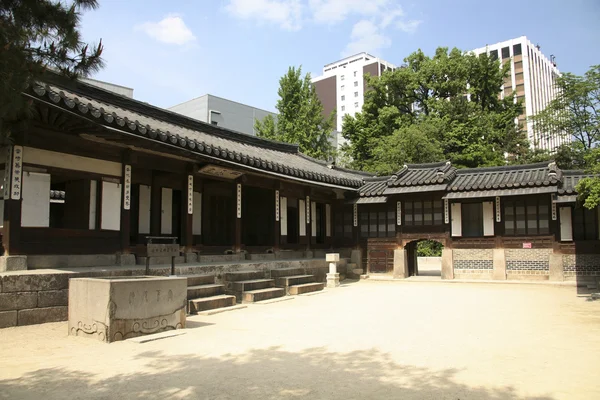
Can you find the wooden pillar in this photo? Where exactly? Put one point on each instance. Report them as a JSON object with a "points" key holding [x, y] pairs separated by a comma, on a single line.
{"points": [[237, 233], [126, 202], [277, 219], [187, 210], [12, 200], [155, 200]]}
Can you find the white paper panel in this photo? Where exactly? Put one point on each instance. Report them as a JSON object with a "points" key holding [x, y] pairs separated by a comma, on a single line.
{"points": [[111, 206], [456, 219], [488, 218], [302, 217], [283, 217], [197, 215], [144, 210], [35, 211], [93, 204], [566, 225], [327, 220], [166, 211]]}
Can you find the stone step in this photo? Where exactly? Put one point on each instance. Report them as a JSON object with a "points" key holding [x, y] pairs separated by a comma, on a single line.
{"points": [[210, 303], [286, 281], [351, 265], [195, 280], [160, 260], [305, 288], [254, 284], [281, 272], [243, 276], [194, 292], [262, 294]]}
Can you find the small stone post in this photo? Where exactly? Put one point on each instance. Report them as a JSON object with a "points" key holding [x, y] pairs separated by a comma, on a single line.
{"points": [[333, 277]]}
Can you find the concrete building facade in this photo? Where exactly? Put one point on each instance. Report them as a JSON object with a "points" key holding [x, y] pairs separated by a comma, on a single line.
{"points": [[342, 87], [222, 112], [533, 79], [111, 87]]}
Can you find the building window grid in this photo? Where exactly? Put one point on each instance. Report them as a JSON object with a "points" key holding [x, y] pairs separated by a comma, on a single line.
{"points": [[343, 222], [343, 108], [355, 94], [526, 217], [355, 83]]}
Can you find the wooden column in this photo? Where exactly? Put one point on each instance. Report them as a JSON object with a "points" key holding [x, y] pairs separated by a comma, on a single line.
{"points": [[277, 219], [187, 210], [126, 171], [237, 233], [12, 200]]}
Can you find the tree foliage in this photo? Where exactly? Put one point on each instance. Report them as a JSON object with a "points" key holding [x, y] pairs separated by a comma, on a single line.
{"points": [[436, 108], [36, 35], [300, 118]]}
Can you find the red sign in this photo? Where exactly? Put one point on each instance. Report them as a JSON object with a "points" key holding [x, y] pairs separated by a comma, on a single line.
{"points": [[526, 245]]}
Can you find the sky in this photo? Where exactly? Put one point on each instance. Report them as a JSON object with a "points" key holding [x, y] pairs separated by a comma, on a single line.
{"points": [[173, 51]]}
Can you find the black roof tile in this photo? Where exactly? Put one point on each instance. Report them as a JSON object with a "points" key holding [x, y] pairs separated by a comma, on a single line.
{"points": [[132, 116]]}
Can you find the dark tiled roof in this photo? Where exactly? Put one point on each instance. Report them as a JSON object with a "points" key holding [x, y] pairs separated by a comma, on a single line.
{"points": [[423, 174], [570, 180], [374, 187], [138, 118], [508, 177]]}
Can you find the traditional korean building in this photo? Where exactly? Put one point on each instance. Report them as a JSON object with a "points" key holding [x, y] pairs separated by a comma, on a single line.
{"points": [[96, 173]]}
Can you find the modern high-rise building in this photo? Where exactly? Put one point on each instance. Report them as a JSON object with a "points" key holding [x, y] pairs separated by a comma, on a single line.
{"points": [[226, 113], [342, 87], [532, 78]]}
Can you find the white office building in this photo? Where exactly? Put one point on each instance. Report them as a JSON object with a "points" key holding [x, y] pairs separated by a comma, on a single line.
{"points": [[532, 77], [342, 86]]}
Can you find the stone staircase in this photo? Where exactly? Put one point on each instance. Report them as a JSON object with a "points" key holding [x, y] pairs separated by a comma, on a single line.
{"points": [[352, 270], [251, 286], [294, 281], [204, 294]]}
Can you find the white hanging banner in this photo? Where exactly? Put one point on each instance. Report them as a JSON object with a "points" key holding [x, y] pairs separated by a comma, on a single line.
{"points": [[239, 200], [498, 213], [190, 197], [446, 212], [127, 188], [277, 205], [17, 173], [398, 213], [308, 209]]}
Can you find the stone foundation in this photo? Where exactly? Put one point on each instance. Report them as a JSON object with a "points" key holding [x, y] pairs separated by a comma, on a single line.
{"points": [[473, 263], [36, 297], [581, 265]]}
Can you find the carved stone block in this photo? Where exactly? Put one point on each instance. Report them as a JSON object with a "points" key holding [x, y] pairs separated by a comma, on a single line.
{"points": [[118, 308]]}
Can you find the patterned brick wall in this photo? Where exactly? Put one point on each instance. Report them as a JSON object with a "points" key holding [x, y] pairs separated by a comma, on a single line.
{"points": [[473, 259], [528, 261], [581, 264]]}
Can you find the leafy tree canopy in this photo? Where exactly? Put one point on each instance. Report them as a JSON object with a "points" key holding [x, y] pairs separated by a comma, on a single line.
{"points": [[445, 107], [300, 119], [36, 35]]}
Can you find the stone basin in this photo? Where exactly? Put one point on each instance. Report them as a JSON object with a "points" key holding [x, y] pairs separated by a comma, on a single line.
{"points": [[117, 308]]}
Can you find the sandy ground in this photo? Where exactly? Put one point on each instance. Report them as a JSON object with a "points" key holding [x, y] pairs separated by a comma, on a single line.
{"points": [[380, 340]]}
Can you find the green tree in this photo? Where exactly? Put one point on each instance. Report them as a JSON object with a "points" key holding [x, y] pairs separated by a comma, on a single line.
{"points": [[37, 35], [443, 107], [300, 120]]}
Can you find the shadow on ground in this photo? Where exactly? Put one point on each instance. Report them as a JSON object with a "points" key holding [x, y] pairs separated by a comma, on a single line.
{"points": [[259, 374]]}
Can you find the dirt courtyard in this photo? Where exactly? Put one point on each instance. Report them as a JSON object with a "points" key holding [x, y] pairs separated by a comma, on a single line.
{"points": [[364, 340]]}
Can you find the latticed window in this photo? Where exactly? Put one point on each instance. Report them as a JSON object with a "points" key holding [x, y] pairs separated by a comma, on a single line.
{"points": [[377, 220], [423, 212], [585, 225], [343, 222], [527, 217]]}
